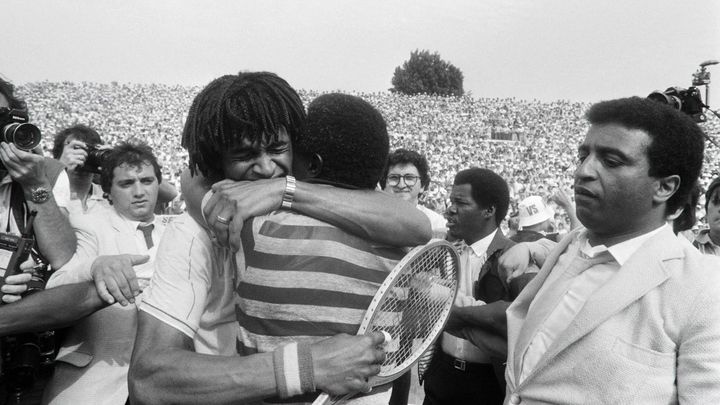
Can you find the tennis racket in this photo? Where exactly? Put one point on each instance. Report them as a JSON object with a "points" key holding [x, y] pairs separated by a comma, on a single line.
{"points": [[412, 305]]}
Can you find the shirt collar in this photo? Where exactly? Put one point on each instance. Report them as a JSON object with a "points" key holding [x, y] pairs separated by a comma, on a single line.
{"points": [[134, 224], [481, 246], [622, 251]]}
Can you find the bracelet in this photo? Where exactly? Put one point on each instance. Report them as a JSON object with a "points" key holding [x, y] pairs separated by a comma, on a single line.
{"points": [[289, 194], [293, 370]]}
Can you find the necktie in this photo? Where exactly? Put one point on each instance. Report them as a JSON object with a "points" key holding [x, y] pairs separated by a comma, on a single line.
{"points": [[147, 233]]}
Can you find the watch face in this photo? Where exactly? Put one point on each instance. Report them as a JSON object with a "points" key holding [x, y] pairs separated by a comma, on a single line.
{"points": [[40, 195]]}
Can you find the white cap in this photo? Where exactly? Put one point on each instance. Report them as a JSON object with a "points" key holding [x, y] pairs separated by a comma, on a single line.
{"points": [[532, 211]]}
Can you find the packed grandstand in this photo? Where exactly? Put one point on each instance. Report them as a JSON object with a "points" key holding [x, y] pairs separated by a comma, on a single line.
{"points": [[536, 155]]}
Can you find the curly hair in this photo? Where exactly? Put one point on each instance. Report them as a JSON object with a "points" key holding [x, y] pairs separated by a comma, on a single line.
{"points": [[404, 157], [249, 105], [131, 154], [677, 142], [350, 136]]}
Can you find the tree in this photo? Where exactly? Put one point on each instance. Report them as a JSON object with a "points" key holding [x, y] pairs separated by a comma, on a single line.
{"points": [[425, 72]]}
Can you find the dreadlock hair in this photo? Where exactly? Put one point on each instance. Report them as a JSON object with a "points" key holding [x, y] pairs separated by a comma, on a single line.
{"points": [[250, 105]]}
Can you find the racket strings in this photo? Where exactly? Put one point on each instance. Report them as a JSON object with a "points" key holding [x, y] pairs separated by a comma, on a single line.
{"points": [[415, 306]]}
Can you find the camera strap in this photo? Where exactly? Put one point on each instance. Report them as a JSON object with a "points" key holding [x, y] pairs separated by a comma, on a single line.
{"points": [[20, 212]]}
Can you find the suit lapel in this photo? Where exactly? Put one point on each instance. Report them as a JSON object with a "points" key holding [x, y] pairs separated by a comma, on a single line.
{"points": [[643, 271], [520, 328], [498, 242], [124, 240]]}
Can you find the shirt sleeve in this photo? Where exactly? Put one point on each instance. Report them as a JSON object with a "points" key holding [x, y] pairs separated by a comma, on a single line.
{"points": [[180, 284]]}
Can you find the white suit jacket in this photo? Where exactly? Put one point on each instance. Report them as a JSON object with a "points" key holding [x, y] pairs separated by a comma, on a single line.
{"points": [[650, 335], [93, 362]]}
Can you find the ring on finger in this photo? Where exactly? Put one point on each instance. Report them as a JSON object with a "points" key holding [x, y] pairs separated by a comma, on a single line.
{"points": [[222, 220]]}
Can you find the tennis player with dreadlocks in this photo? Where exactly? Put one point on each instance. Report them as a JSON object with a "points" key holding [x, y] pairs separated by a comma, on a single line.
{"points": [[241, 127]]}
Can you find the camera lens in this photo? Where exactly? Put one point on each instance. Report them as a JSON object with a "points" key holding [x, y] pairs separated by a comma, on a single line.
{"points": [[24, 136]]}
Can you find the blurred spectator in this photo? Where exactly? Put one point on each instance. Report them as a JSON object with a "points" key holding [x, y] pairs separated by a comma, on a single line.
{"points": [[406, 176], [708, 240]]}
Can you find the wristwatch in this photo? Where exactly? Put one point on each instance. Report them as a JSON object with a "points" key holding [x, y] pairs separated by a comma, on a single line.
{"points": [[39, 195]]}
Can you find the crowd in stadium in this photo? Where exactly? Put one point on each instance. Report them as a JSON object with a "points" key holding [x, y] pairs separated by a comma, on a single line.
{"points": [[453, 133]]}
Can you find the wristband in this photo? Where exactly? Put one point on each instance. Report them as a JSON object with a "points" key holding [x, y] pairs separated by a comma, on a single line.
{"points": [[293, 370], [289, 194]]}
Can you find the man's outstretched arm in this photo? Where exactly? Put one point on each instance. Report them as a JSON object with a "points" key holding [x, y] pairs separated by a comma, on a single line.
{"points": [[50, 309], [165, 369]]}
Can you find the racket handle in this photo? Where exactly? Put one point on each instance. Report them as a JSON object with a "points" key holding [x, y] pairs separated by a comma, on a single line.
{"points": [[326, 399]]}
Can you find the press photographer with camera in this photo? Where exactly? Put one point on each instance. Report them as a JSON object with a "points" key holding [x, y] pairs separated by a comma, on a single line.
{"points": [[81, 150], [30, 183], [35, 238]]}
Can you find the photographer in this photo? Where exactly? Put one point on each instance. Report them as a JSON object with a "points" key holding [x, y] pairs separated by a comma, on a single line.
{"points": [[34, 191], [32, 183], [70, 147]]}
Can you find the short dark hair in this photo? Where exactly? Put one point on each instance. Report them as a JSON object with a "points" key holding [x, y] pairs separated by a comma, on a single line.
{"points": [[80, 132], [350, 136], [249, 105], [132, 154], [715, 184], [488, 190], [677, 144], [8, 90], [403, 157]]}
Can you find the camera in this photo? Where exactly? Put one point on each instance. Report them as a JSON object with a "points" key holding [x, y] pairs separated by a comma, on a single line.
{"points": [[687, 100], [17, 130], [28, 356], [96, 156]]}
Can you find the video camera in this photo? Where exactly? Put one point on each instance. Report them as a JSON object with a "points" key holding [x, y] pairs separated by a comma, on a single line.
{"points": [[688, 101], [17, 130]]}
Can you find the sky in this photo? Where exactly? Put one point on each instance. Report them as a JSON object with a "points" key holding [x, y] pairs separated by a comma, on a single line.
{"points": [[580, 50]]}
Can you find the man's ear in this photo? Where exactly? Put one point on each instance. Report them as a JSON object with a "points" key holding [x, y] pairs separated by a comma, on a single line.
{"points": [[489, 212], [315, 165], [666, 187]]}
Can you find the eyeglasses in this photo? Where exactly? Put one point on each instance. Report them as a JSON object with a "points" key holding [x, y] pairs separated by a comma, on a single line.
{"points": [[409, 179]]}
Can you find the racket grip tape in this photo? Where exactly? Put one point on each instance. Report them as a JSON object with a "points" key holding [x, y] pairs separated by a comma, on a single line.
{"points": [[294, 372]]}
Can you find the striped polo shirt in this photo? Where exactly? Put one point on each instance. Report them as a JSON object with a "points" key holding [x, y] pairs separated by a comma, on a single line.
{"points": [[304, 280]]}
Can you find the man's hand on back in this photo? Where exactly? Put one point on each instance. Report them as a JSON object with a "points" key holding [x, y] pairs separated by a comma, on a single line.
{"points": [[237, 201]]}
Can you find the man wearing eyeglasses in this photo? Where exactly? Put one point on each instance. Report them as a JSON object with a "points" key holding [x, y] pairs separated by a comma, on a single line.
{"points": [[407, 177]]}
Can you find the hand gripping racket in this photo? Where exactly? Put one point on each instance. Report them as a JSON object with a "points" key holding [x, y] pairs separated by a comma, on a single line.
{"points": [[412, 305]]}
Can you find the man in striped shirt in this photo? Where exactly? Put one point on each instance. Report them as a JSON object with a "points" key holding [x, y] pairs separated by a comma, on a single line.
{"points": [[305, 279]]}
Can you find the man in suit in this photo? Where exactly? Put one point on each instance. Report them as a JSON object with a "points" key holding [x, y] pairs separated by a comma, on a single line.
{"points": [[461, 371], [623, 311], [93, 361]]}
